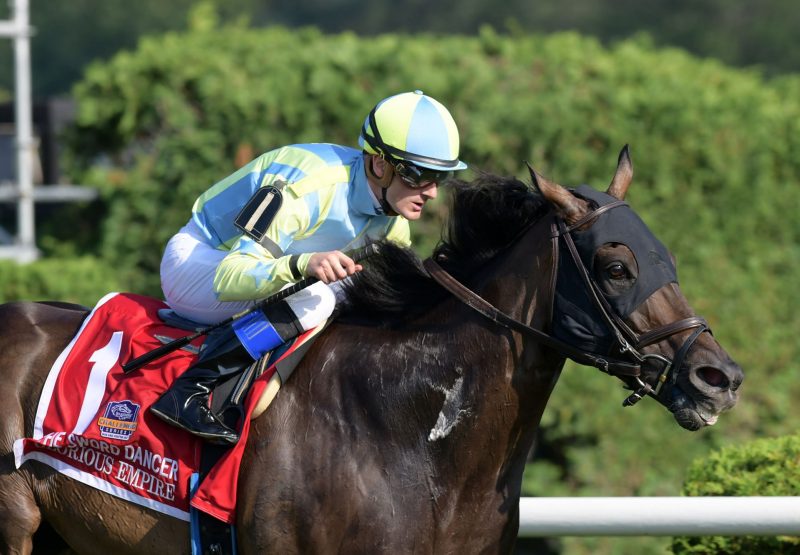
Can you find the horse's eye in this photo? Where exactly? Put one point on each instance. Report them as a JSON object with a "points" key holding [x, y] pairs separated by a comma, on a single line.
{"points": [[616, 270]]}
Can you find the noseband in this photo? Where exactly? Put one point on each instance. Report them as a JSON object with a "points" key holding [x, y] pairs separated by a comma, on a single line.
{"points": [[626, 341]]}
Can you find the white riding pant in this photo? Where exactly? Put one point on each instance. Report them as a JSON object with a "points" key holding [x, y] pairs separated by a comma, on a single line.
{"points": [[187, 280]]}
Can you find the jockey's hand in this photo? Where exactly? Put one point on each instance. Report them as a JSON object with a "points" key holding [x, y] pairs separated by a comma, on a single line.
{"points": [[331, 266]]}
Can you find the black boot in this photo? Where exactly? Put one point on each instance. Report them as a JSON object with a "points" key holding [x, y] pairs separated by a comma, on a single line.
{"points": [[185, 405]]}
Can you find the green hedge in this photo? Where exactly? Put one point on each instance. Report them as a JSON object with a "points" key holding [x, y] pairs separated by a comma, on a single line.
{"points": [[83, 280], [763, 467]]}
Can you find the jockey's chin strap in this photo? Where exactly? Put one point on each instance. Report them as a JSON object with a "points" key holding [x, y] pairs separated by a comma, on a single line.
{"points": [[628, 342], [387, 208], [384, 182]]}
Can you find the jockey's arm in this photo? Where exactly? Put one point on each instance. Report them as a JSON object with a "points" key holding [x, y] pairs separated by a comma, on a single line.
{"points": [[335, 265], [400, 232], [253, 270]]}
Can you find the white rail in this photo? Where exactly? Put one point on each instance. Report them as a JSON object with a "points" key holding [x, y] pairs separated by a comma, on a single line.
{"points": [[659, 516]]}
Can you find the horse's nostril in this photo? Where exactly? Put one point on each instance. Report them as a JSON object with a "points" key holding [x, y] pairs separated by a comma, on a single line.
{"points": [[713, 377]]}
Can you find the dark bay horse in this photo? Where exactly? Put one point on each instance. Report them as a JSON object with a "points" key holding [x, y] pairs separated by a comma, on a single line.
{"points": [[406, 427]]}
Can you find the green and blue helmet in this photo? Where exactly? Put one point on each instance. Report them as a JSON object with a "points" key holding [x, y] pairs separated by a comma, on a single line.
{"points": [[413, 128]]}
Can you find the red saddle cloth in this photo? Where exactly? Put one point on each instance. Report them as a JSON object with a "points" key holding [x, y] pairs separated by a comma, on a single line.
{"points": [[92, 422]]}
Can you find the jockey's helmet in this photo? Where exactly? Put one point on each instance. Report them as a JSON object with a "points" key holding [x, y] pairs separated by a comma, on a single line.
{"points": [[414, 128]]}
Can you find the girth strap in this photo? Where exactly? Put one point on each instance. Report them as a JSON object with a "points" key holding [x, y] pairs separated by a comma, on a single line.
{"points": [[486, 309]]}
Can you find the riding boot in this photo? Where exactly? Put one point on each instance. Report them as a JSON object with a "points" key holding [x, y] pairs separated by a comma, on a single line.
{"points": [[186, 404]]}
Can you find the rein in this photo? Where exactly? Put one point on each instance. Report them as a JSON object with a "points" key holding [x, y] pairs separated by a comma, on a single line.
{"points": [[627, 340], [488, 310]]}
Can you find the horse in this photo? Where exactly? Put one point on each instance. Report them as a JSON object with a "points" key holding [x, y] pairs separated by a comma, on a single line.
{"points": [[407, 425]]}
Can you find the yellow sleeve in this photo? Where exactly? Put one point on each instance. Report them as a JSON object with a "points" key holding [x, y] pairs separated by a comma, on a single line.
{"points": [[252, 270], [400, 232]]}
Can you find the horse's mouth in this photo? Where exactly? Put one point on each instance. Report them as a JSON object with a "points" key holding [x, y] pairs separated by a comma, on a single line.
{"points": [[688, 414]]}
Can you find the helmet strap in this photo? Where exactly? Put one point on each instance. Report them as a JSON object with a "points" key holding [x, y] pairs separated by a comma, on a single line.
{"points": [[383, 182], [387, 208]]}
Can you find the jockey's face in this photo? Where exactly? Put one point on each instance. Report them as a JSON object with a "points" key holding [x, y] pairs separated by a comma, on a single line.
{"points": [[404, 199], [408, 201]]}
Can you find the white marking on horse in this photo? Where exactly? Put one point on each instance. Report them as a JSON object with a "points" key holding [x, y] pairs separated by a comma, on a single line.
{"points": [[451, 412]]}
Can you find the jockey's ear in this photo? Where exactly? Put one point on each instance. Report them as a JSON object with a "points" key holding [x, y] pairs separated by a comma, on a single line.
{"points": [[380, 170], [568, 206], [377, 165]]}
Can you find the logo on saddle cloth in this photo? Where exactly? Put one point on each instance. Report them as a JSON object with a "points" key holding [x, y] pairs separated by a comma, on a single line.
{"points": [[119, 420]]}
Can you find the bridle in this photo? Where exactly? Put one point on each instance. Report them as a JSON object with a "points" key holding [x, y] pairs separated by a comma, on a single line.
{"points": [[627, 342]]}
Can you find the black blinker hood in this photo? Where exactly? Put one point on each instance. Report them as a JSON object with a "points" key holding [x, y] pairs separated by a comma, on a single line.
{"points": [[576, 319]]}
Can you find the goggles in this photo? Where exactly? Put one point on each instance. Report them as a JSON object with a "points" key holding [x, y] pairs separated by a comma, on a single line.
{"points": [[417, 177]]}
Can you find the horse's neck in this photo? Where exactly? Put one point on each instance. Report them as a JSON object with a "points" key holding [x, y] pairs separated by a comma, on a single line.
{"points": [[512, 377], [470, 393], [452, 399]]}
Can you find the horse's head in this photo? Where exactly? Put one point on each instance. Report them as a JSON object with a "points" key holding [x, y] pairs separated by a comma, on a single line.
{"points": [[617, 296]]}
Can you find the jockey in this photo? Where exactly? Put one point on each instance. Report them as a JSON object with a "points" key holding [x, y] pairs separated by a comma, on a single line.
{"points": [[287, 215]]}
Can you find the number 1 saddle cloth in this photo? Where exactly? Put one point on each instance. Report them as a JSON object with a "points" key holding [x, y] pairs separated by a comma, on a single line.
{"points": [[92, 422]]}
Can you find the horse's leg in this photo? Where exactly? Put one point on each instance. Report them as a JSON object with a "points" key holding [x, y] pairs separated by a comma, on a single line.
{"points": [[19, 514], [26, 357]]}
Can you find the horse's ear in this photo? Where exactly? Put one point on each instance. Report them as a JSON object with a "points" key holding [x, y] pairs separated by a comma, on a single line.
{"points": [[570, 207], [623, 176], [534, 175]]}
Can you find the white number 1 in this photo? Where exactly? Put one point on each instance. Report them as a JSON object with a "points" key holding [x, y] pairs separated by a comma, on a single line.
{"points": [[104, 360]]}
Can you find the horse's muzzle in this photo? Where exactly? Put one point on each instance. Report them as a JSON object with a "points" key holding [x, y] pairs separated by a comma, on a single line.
{"points": [[705, 391]]}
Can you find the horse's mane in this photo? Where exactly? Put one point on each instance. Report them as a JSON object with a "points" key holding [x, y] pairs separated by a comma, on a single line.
{"points": [[485, 216]]}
